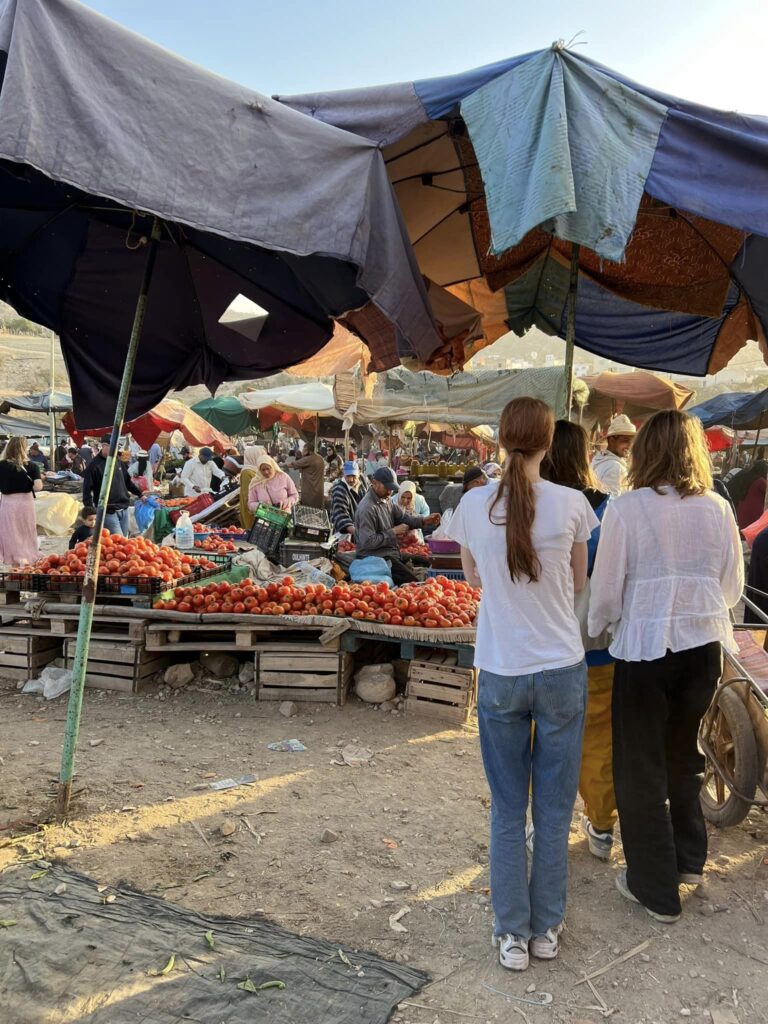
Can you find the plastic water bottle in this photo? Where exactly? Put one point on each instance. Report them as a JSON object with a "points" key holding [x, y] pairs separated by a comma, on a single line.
{"points": [[185, 532]]}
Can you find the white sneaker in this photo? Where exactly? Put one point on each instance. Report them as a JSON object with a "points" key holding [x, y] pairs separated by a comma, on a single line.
{"points": [[513, 951], [621, 885], [600, 843], [547, 946]]}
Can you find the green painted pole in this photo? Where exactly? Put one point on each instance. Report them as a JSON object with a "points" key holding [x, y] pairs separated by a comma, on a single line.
{"points": [[91, 577]]}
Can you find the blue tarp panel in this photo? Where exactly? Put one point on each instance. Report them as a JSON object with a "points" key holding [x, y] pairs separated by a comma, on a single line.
{"points": [[729, 410]]}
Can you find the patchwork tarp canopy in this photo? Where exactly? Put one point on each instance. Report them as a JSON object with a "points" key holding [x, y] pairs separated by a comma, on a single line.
{"points": [[637, 394], [228, 415], [101, 132], [498, 170], [735, 409]]}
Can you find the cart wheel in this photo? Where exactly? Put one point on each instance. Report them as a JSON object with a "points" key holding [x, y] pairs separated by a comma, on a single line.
{"points": [[732, 740]]}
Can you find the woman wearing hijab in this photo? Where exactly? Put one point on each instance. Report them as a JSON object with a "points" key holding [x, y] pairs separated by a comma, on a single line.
{"points": [[251, 456], [271, 486], [411, 503], [748, 493]]}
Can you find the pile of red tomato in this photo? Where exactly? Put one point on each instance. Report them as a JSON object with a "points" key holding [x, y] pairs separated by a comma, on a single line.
{"points": [[219, 547], [437, 604], [128, 557]]}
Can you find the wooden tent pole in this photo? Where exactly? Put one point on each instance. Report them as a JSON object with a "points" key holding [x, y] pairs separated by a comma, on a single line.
{"points": [[570, 330]]}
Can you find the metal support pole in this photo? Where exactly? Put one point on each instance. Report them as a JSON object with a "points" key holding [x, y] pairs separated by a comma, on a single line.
{"points": [[90, 580], [570, 330], [51, 414], [391, 436]]}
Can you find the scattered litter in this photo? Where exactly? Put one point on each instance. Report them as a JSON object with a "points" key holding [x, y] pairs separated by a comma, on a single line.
{"points": [[127, 809], [287, 746], [60, 889], [394, 920], [390, 844], [166, 970], [209, 940], [101, 888], [52, 682], [399, 886], [354, 756], [6, 922], [38, 874], [248, 986], [244, 780], [222, 974], [344, 958], [109, 898]]}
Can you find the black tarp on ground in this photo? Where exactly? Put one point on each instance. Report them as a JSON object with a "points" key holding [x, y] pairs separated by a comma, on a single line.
{"points": [[74, 957]]}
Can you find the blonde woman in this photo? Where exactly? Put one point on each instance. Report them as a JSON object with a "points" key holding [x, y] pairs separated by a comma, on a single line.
{"points": [[669, 567], [19, 480]]}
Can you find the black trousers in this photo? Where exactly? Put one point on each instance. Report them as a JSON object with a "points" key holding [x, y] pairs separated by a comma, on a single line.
{"points": [[658, 769]]}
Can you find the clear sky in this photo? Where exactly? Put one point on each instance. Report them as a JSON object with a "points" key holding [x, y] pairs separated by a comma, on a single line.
{"points": [[711, 51]]}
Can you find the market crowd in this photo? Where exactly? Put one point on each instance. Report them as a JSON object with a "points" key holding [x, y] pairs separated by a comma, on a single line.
{"points": [[607, 586]]}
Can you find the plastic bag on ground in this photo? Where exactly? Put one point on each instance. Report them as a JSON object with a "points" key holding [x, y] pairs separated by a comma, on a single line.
{"points": [[51, 682]]}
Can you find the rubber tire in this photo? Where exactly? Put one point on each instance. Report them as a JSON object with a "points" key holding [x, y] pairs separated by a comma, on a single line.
{"points": [[734, 809]]}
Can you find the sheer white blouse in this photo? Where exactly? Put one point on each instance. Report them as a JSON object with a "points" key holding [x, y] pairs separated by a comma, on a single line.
{"points": [[667, 571]]}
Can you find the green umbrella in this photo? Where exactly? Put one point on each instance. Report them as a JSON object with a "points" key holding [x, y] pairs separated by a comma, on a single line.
{"points": [[228, 415]]}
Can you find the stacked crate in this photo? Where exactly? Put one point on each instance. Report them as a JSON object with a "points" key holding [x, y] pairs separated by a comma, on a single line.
{"points": [[26, 650], [439, 688], [301, 669], [117, 661]]}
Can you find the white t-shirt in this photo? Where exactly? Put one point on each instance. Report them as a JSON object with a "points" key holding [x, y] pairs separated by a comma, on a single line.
{"points": [[525, 627]]}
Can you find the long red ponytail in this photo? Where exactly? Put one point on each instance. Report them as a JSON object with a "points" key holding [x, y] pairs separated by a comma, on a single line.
{"points": [[526, 427]]}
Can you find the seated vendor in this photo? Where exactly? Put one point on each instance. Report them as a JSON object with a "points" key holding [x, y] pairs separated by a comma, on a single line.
{"points": [[379, 522], [412, 503], [271, 486]]}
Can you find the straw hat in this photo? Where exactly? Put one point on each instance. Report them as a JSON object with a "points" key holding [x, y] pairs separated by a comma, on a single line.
{"points": [[621, 426]]}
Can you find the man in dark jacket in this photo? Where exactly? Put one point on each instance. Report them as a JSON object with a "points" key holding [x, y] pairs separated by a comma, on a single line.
{"points": [[379, 522], [116, 520]]}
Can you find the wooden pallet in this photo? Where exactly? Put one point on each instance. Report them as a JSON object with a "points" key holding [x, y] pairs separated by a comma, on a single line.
{"points": [[66, 626], [439, 688], [409, 650], [213, 636], [303, 672], [116, 664], [24, 652]]}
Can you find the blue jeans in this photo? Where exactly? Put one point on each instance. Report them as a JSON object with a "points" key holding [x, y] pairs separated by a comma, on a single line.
{"points": [[117, 522], [548, 767]]}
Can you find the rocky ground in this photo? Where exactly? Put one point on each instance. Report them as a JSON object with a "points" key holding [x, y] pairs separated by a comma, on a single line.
{"points": [[339, 852]]}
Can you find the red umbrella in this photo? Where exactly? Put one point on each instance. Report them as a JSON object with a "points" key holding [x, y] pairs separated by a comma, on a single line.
{"points": [[166, 417], [717, 439]]}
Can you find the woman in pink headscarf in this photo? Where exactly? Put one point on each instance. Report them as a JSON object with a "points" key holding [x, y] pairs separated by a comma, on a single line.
{"points": [[271, 486]]}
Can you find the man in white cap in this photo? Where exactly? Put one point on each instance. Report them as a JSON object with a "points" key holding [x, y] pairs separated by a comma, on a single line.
{"points": [[610, 466]]}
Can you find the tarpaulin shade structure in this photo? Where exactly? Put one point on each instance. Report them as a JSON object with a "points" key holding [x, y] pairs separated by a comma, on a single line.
{"points": [[100, 132], [11, 426], [42, 401], [470, 399], [734, 409], [228, 415], [499, 171], [637, 394], [166, 417]]}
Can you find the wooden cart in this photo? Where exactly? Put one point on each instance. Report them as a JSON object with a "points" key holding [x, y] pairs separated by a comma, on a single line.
{"points": [[734, 733]]}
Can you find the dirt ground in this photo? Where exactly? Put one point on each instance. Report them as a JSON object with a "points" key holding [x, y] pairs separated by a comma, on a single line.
{"points": [[418, 814]]}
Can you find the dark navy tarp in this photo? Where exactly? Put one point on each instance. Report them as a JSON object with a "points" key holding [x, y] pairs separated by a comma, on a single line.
{"points": [[733, 409], [99, 130]]}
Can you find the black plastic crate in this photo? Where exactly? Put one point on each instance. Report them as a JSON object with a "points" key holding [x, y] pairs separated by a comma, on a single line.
{"points": [[33, 582], [268, 537], [311, 523], [304, 551]]}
